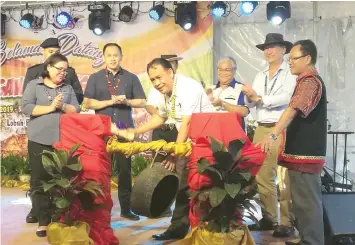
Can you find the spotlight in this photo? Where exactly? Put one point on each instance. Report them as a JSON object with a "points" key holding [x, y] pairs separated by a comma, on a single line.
{"points": [[99, 18], [185, 15], [63, 19], [3, 20], [248, 7], [277, 12], [125, 14], [27, 20], [156, 12], [219, 9]]}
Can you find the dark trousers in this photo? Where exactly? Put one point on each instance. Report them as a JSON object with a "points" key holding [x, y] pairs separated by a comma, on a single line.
{"points": [[124, 181], [180, 222], [41, 201], [307, 206]]}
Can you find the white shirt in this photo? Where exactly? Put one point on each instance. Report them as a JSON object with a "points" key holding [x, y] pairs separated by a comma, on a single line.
{"points": [[154, 99], [279, 90], [190, 97], [229, 95]]}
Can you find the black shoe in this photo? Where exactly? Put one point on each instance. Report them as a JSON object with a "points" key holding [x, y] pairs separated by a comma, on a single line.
{"points": [[264, 225], [168, 213], [130, 215], [283, 231], [168, 235], [31, 218], [292, 243], [42, 233]]}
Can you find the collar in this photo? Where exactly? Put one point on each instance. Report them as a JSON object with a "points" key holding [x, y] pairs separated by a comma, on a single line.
{"points": [[231, 84], [41, 81], [283, 66], [307, 73], [120, 71]]}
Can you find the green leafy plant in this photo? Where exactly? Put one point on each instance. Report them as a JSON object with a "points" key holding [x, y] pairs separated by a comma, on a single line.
{"points": [[222, 205], [65, 186], [139, 163], [11, 165], [23, 166]]}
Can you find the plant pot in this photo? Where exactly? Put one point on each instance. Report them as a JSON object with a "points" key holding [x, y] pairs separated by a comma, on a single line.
{"points": [[199, 236], [154, 191], [25, 178], [78, 233], [114, 179], [4, 178]]}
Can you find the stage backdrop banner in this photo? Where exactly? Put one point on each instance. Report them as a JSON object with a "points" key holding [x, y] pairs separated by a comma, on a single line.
{"points": [[141, 41]]}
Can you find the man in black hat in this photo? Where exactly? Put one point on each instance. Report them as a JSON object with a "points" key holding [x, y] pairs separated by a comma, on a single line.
{"points": [[51, 46], [270, 94]]}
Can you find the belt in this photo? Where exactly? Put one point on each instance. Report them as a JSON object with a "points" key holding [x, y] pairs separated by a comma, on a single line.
{"points": [[168, 127], [267, 125]]}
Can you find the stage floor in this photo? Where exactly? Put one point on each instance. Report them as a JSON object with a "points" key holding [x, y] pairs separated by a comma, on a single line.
{"points": [[15, 231]]}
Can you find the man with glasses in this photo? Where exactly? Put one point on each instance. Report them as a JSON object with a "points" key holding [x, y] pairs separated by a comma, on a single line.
{"points": [[270, 94], [51, 46], [227, 95], [306, 142]]}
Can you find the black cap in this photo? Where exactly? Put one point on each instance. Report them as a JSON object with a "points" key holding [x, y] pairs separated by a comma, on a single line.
{"points": [[50, 43]]}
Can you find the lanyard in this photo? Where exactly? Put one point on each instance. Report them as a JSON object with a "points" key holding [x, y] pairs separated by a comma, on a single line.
{"points": [[171, 114], [112, 87], [273, 84], [49, 95]]}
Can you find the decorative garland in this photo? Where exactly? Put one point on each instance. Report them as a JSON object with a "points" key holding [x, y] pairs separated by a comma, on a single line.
{"points": [[129, 149]]}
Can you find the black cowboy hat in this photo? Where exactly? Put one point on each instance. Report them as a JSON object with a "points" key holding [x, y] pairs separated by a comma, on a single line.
{"points": [[275, 38], [51, 42], [171, 57]]}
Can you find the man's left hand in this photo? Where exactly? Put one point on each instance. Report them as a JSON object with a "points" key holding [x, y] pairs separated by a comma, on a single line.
{"points": [[265, 145], [217, 102]]}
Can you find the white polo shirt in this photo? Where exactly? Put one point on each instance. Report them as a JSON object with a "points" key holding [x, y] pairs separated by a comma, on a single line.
{"points": [[190, 98], [154, 99]]}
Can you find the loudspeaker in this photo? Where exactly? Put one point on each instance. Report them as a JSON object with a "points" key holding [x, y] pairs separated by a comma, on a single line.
{"points": [[339, 218]]}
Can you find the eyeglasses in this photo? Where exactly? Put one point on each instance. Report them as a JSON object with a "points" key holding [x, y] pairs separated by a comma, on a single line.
{"points": [[292, 59], [61, 69], [225, 70]]}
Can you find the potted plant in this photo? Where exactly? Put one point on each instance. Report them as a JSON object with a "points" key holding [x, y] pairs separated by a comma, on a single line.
{"points": [[24, 170], [222, 205], [70, 195]]}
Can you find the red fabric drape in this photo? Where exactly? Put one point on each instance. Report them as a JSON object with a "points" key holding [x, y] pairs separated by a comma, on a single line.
{"points": [[90, 130], [224, 127]]}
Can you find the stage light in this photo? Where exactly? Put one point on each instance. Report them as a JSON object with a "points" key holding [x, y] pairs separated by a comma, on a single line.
{"points": [[63, 19], [125, 14], [219, 9], [185, 15], [3, 20], [248, 7], [27, 20], [277, 12], [156, 12], [99, 18]]}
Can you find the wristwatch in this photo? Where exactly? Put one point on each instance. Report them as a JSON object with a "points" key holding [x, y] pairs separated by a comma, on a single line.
{"points": [[273, 136]]}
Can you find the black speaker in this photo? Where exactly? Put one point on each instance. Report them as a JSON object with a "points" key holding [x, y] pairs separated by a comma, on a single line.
{"points": [[339, 218]]}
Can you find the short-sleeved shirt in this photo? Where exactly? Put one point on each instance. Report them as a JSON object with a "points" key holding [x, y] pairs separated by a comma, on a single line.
{"points": [[45, 129], [232, 94], [98, 88], [154, 99], [190, 97]]}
